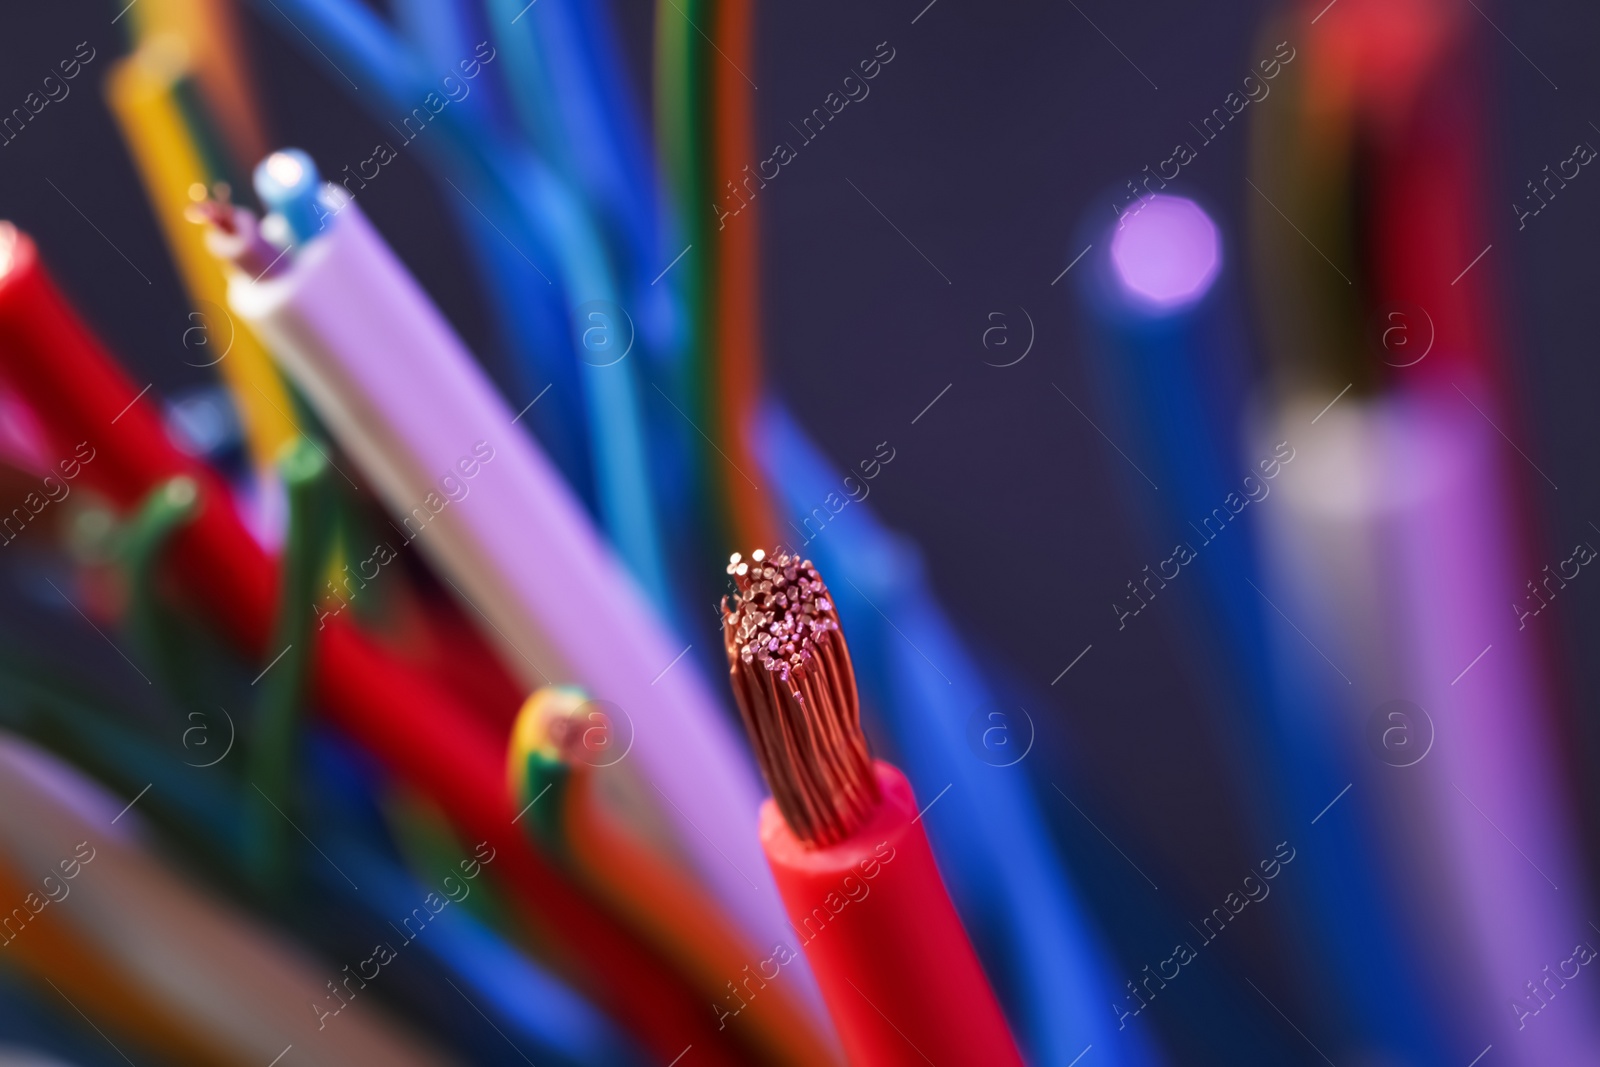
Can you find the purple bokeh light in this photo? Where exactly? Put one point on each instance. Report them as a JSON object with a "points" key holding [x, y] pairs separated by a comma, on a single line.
{"points": [[1166, 251]]}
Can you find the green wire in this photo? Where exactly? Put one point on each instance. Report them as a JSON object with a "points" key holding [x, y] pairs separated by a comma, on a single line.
{"points": [[270, 762], [166, 509], [189, 663], [682, 99], [192, 666], [70, 723], [546, 820], [357, 538]]}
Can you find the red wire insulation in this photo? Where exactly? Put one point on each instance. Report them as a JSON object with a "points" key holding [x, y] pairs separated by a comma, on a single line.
{"points": [[899, 976]]}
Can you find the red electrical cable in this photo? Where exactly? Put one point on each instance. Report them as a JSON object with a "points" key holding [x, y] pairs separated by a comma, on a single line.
{"points": [[844, 840], [899, 976], [1421, 127], [422, 734]]}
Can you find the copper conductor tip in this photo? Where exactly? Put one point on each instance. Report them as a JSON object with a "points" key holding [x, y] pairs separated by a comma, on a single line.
{"points": [[796, 690], [206, 212]]}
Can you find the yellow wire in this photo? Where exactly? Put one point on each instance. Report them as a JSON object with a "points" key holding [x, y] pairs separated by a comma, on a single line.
{"points": [[219, 63], [141, 92]]}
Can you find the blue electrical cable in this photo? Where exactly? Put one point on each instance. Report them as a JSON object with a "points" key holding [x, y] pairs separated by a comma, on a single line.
{"points": [[575, 85], [587, 123], [1176, 382], [554, 222], [526, 1007], [571, 94], [532, 322]]}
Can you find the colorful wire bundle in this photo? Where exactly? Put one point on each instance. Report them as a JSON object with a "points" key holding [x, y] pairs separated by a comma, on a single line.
{"points": [[375, 805]]}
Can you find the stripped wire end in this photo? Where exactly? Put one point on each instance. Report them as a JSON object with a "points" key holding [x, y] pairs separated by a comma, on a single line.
{"points": [[542, 761], [213, 207], [549, 732], [232, 232], [796, 689]]}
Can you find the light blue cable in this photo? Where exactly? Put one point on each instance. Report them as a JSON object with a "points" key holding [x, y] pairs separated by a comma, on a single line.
{"points": [[528, 84], [534, 324], [578, 122], [566, 70], [585, 124]]}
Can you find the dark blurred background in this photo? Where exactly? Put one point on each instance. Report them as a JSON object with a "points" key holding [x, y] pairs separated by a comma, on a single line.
{"points": [[952, 192]]}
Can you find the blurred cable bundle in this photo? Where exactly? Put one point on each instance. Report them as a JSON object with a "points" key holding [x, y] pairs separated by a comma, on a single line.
{"points": [[416, 757]]}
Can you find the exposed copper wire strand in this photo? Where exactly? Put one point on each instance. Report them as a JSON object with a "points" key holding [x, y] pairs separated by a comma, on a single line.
{"points": [[796, 689]]}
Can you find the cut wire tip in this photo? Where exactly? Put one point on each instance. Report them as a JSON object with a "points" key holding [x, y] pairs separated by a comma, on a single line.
{"points": [[796, 690], [233, 233]]}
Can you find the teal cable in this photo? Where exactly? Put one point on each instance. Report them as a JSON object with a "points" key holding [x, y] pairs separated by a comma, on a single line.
{"points": [[528, 83]]}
